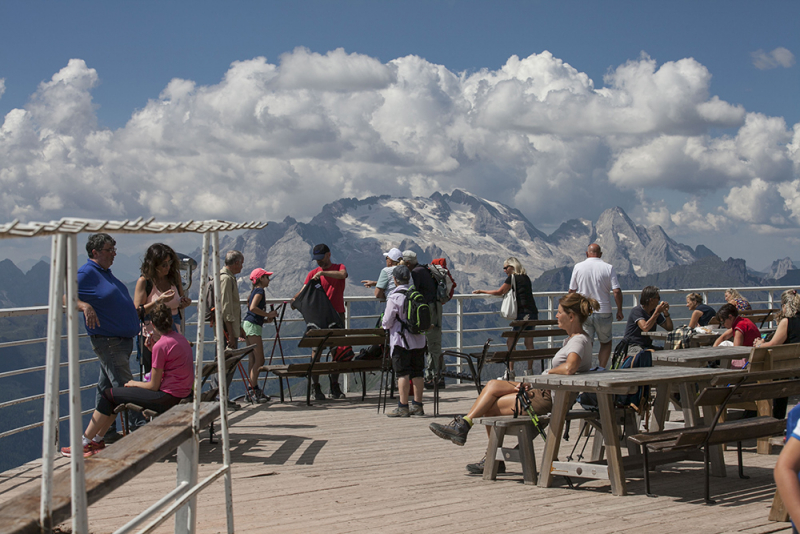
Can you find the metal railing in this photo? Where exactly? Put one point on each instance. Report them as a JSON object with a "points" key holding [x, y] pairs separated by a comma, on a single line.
{"points": [[462, 320]]}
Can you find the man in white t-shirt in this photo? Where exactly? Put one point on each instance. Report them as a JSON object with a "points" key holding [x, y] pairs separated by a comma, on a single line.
{"points": [[596, 279], [385, 283]]}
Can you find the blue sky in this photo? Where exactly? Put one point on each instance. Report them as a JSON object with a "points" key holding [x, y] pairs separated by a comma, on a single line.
{"points": [[132, 51]]}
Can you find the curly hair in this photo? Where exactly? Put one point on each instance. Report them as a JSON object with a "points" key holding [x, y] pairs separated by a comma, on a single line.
{"points": [[161, 317], [580, 305], [790, 303], [733, 294], [157, 254]]}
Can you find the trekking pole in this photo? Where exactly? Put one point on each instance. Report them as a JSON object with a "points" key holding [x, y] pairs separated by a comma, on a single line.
{"points": [[277, 342]]}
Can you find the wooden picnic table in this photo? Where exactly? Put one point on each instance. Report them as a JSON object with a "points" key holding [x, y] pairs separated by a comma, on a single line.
{"points": [[606, 384], [700, 356], [697, 340]]}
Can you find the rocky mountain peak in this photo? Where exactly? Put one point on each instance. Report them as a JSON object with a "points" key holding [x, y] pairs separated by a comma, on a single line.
{"points": [[779, 268]]}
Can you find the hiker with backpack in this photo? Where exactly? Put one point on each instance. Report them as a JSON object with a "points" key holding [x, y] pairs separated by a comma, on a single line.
{"points": [[424, 282], [405, 320], [252, 325], [331, 276], [500, 397]]}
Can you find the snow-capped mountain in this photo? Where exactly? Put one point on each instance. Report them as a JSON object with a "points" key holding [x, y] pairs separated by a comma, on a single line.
{"points": [[474, 234]]}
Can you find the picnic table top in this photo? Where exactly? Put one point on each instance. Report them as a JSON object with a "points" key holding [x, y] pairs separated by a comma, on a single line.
{"points": [[623, 381], [700, 354]]}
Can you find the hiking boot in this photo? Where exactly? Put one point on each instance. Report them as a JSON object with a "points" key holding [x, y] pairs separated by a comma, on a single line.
{"points": [[318, 394], [336, 391], [90, 449], [477, 469], [400, 411], [416, 409], [456, 431], [258, 396]]}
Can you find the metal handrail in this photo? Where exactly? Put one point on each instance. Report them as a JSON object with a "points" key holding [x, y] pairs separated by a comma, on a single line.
{"points": [[458, 314]]}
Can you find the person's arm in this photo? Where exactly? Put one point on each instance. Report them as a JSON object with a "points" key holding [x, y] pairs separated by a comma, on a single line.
{"points": [[140, 293], [389, 315], [88, 313], [618, 301], [778, 338], [255, 301], [341, 274], [502, 290], [695, 320], [380, 294], [738, 338], [667, 323], [785, 473], [569, 367], [156, 375], [369, 283], [724, 337]]}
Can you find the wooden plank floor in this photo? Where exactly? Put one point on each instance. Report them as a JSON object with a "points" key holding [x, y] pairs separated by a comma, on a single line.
{"points": [[341, 467]]}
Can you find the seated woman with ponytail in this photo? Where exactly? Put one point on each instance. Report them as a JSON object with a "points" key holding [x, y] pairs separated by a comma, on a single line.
{"points": [[170, 381], [499, 397]]}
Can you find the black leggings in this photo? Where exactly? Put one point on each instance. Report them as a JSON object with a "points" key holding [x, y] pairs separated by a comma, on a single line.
{"points": [[158, 401]]}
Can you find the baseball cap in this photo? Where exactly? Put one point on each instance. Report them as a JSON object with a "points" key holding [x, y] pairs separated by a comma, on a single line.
{"points": [[257, 273], [320, 251], [409, 255], [394, 254], [401, 273]]}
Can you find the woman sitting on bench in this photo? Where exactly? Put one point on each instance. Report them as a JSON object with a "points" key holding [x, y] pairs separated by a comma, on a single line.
{"points": [[499, 397], [170, 381]]}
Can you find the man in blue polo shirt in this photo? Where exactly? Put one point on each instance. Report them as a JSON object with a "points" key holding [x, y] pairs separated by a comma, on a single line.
{"points": [[111, 318]]}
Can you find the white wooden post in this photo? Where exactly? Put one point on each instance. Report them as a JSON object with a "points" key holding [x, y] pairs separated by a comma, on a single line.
{"points": [[223, 384], [50, 431], [80, 520]]}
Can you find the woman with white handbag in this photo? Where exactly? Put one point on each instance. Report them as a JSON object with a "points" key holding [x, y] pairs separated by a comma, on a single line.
{"points": [[518, 303]]}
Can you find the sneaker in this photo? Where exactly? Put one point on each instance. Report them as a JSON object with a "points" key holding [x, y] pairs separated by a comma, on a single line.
{"points": [[318, 394], [336, 392], [456, 431], [416, 409], [400, 411], [90, 449], [258, 396], [477, 469]]}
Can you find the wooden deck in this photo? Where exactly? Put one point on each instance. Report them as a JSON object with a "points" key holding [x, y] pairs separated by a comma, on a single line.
{"points": [[340, 467]]}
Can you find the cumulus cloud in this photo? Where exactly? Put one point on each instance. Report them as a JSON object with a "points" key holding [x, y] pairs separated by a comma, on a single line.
{"points": [[277, 139], [780, 57]]}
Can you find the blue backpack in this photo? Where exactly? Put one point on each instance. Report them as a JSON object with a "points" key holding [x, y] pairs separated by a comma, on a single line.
{"points": [[640, 400]]}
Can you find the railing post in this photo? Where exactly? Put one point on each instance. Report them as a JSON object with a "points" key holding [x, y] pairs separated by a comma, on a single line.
{"points": [[346, 376], [80, 520], [223, 384], [459, 330], [50, 430]]}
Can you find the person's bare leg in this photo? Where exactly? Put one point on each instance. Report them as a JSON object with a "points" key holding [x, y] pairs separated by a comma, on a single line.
{"points": [[419, 385], [604, 354], [488, 398], [256, 359], [403, 387], [98, 425]]}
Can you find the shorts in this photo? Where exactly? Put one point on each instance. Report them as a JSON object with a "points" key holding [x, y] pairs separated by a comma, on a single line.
{"points": [[541, 400], [522, 316], [600, 324], [408, 362], [251, 329]]}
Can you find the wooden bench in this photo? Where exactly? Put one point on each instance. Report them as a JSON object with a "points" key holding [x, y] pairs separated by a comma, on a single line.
{"points": [[525, 431], [232, 359], [726, 389], [108, 470], [335, 337], [509, 357]]}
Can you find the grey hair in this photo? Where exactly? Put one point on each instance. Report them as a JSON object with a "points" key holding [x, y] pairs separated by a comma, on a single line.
{"points": [[514, 262], [98, 242], [790, 303], [233, 256]]}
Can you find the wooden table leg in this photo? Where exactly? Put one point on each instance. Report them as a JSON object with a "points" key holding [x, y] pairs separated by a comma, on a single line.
{"points": [[490, 464], [691, 415], [660, 407], [616, 473], [562, 401]]}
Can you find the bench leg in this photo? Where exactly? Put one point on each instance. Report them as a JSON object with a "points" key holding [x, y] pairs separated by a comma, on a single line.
{"points": [[280, 383], [778, 511], [363, 385], [527, 456], [308, 390], [562, 401], [490, 465]]}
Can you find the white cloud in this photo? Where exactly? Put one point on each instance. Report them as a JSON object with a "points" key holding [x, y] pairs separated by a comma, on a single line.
{"points": [[759, 203], [2, 86], [271, 140], [780, 57]]}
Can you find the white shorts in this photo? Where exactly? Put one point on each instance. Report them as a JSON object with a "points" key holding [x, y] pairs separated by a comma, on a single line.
{"points": [[599, 323]]}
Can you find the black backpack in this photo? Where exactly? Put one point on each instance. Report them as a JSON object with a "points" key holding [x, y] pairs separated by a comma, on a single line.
{"points": [[416, 315]]}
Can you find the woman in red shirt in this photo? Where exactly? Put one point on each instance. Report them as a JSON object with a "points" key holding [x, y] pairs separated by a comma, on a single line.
{"points": [[740, 329]]}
